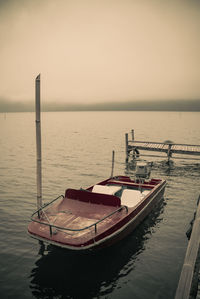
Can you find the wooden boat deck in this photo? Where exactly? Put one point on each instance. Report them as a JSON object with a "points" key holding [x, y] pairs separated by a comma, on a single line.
{"points": [[79, 218], [75, 222]]}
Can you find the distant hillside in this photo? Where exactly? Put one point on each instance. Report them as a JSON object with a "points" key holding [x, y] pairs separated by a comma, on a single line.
{"points": [[172, 105]]}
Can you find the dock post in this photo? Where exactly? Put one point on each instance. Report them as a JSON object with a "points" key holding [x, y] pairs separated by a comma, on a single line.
{"points": [[113, 161], [169, 153], [126, 146], [132, 133], [38, 143]]}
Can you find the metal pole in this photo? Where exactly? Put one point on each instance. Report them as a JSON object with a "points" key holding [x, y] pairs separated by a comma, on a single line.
{"points": [[113, 160], [132, 132], [126, 144], [38, 142]]}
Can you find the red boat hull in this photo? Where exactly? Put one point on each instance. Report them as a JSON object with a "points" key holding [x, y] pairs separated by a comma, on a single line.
{"points": [[118, 225]]}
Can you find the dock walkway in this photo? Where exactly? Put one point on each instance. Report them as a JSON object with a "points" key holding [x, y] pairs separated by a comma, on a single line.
{"points": [[167, 147], [189, 284]]}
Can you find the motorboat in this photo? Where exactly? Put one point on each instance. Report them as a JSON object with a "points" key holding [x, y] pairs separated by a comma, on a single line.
{"points": [[98, 216]]}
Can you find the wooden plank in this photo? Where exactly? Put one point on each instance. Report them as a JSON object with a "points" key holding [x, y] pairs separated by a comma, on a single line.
{"points": [[155, 142], [168, 148], [162, 156], [147, 148], [185, 152], [178, 149], [185, 281]]}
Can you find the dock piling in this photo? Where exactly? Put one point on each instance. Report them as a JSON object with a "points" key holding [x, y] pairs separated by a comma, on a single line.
{"points": [[38, 142], [126, 146], [132, 133], [169, 153], [113, 161], [185, 282]]}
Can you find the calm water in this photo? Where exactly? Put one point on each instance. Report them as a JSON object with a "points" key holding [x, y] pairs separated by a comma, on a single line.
{"points": [[77, 149]]}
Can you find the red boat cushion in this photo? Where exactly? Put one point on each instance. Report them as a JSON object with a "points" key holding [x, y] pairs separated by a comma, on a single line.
{"points": [[96, 198]]}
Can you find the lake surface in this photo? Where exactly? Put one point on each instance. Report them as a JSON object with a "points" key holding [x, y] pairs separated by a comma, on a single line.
{"points": [[76, 152]]}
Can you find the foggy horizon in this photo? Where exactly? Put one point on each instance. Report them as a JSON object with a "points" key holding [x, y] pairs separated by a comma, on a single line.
{"points": [[165, 105], [89, 52]]}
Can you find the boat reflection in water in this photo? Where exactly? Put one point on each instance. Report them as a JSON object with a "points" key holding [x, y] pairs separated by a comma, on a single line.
{"points": [[59, 273]]}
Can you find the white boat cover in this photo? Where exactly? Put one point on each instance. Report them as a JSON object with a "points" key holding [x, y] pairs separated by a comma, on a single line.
{"points": [[106, 189], [131, 198]]}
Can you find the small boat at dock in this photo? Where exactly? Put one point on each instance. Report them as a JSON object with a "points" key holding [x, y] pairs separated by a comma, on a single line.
{"points": [[98, 216]]}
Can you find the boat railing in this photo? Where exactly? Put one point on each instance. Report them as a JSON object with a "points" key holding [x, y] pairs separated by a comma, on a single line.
{"points": [[107, 216], [41, 209], [51, 226]]}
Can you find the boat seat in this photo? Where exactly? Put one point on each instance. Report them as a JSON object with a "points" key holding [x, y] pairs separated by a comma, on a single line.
{"points": [[104, 189], [98, 198], [131, 198]]}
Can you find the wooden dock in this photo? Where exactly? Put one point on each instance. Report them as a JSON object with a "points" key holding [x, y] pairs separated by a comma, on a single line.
{"points": [[134, 146], [188, 286]]}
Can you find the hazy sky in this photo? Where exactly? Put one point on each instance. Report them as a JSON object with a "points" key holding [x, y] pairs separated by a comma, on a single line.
{"points": [[96, 51]]}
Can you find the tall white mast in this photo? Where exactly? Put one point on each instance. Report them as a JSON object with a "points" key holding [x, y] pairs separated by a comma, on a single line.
{"points": [[38, 142]]}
